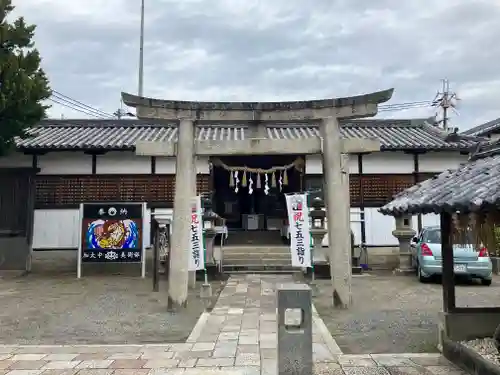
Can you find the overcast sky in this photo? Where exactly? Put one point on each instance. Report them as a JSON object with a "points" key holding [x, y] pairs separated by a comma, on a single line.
{"points": [[260, 50]]}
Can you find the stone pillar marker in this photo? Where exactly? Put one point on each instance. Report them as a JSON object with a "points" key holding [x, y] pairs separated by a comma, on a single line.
{"points": [[179, 252], [404, 232], [294, 329]]}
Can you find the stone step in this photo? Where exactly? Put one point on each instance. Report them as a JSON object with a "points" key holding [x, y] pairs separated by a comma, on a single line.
{"points": [[255, 249], [259, 269], [256, 256], [259, 262]]}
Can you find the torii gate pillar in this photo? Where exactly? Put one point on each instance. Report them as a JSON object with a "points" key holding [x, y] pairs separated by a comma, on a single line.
{"points": [[327, 111]]}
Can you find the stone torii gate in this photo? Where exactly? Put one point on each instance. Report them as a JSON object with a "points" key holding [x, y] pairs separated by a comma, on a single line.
{"points": [[327, 112]]}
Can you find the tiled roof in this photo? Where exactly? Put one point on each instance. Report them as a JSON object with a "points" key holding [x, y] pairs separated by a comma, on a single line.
{"points": [[475, 185], [484, 129], [123, 134], [393, 134], [113, 134]]}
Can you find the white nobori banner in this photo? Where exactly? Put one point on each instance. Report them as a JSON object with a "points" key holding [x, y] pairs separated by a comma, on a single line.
{"points": [[300, 236], [197, 249]]}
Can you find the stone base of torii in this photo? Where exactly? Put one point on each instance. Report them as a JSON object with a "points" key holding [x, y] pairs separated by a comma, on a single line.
{"points": [[330, 145]]}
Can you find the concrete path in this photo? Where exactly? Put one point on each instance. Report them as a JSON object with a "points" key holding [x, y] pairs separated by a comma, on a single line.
{"points": [[238, 338]]}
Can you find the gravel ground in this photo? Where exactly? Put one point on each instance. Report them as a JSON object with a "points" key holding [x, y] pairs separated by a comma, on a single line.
{"points": [[111, 304], [394, 314], [485, 347]]}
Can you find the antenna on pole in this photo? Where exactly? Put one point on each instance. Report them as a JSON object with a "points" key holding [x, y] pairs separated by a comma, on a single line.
{"points": [[119, 113], [141, 53], [445, 100]]}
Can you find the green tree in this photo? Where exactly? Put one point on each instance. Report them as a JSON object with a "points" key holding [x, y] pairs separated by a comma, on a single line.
{"points": [[23, 84]]}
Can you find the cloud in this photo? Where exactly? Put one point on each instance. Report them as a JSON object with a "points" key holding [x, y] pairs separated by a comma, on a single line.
{"points": [[272, 50]]}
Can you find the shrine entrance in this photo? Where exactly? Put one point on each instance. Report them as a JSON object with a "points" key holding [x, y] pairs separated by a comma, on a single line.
{"points": [[249, 193]]}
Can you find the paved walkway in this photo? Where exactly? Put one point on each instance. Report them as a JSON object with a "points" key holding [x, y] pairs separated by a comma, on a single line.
{"points": [[238, 338]]}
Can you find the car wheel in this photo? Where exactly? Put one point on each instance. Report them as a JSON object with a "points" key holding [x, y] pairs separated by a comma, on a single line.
{"points": [[421, 277], [485, 282]]}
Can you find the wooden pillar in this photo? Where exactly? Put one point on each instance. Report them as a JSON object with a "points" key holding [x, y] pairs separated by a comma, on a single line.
{"points": [[94, 163], [152, 209], [447, 255], [361, 202], [416, 180]]}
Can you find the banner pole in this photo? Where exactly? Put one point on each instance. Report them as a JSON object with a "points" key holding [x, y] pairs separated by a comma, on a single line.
{"points": [[205, 257], [80, 244], [311, 242], [143, 250]]}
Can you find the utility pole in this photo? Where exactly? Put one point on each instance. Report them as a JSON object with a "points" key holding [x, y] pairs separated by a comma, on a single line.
{"points": [[445, 100], [119, 113], [140, 90]]}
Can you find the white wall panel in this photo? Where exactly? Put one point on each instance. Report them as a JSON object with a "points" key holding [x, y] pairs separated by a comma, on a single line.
{"points": [[167, 165], [56, 229], [65, 163], [379, 228], [314, 164], [429, 220], [355, 227], [123, 162], [440, 161], [387, 163]]}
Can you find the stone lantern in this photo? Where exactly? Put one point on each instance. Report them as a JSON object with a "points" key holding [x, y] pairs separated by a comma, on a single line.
{"points": [[209, 217], [318, 230], [404, 232]]}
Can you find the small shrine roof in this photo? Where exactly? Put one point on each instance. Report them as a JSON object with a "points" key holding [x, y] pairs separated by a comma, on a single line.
{"points": [[473, 187], [394, 135], [484, 130]]}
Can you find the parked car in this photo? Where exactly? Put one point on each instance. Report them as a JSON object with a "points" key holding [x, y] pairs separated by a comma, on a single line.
{"points": [[468, 261]]}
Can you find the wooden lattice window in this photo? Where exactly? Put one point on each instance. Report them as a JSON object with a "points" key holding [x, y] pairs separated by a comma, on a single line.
{"points": [[71, 190], [425, 176], [314, 183], [378, 189]]}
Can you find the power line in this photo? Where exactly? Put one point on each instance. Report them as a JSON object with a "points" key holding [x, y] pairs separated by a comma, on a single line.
{"points": [[78, 106], [406, 104], [75, 108], [76, 103]]}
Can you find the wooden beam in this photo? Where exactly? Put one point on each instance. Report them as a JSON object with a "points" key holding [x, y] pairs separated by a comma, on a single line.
{"points": [[447, 255]]}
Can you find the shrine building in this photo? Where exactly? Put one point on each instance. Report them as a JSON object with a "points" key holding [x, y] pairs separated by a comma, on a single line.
{"points": [[95, 161]]}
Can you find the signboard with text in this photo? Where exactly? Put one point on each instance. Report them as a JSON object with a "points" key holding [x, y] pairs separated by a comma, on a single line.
{"points": [[197, 250], [300, 236], [112, 233]]}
